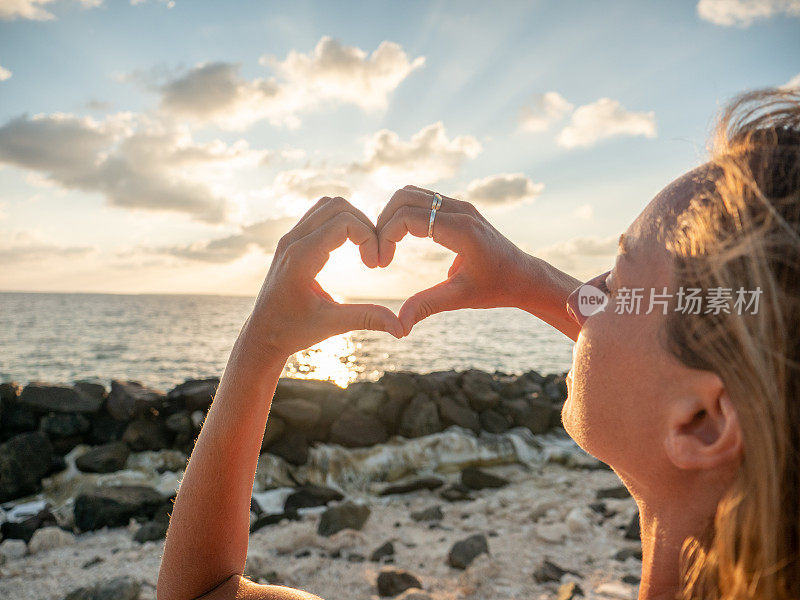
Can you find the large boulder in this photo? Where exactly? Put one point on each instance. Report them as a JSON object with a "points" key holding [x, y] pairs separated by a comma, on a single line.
{"points": [[399, 386], [445, 383], [366, 397], [129, 399], [104, 459], [45, 397], [355, 429], [494, 422], [9, 392], [195, 394], [180, 424], [64, 425], [421, 417], [24, 460], [114, 506], [272, 433], [454, 410], [308, 389], [534, 414], [347, 515], [298, 413], [146, 434], [478, 386], [292, 447], [106, 428], [92, 392]]}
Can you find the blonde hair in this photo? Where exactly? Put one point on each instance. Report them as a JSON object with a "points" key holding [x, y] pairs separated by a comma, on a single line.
{"points": [[742, 230]]}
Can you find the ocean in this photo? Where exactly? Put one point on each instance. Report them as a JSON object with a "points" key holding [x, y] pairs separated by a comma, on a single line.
{"points": [[162, 340]]}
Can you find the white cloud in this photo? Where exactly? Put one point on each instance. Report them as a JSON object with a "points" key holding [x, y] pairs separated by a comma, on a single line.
{"points": [[794, 82], [91, 3], [602, 119], [331, 73], [4, 73], [25, 9], [427, 157], [21, 246], [133, 162], [742, 13], [263, 236], [503, 190], [543, 110], [168, 3], [312, 183], [584, 257]]}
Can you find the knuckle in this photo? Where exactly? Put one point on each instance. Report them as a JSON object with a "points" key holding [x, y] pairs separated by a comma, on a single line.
{"points": [[282, 244], [339, 202], [409, 187]]}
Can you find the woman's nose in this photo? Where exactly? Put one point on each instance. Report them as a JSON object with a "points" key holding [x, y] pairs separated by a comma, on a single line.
{"points": [[573, 301]]}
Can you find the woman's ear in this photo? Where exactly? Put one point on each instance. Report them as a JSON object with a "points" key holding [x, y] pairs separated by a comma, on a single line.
{"points": [[703, 431]]}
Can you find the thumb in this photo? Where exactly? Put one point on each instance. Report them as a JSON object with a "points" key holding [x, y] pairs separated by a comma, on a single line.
{"points": [[439, 298], [374, 317]]}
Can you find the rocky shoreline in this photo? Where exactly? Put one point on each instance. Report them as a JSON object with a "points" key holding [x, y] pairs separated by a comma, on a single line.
{"points": [[350, 481]]}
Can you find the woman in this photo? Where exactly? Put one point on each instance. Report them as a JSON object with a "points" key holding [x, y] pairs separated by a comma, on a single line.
{"points": [[697, 411]]}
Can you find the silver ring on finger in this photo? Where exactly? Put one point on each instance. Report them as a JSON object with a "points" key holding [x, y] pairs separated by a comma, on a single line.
{"points": [[435, 205]]}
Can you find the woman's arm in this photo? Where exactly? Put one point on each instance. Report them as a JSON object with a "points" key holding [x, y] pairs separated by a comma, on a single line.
{"points": [[208, 533], [489, 270]]}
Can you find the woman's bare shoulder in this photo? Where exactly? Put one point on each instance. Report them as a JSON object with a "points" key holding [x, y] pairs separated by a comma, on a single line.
{"points": [[237, 587]]}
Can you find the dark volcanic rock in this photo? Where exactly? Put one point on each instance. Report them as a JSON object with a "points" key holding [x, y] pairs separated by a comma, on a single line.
{"points": [[44, 397], [399, 386], [273, 432], [104, 459], [180, 424], [392, 582], [366, 397], [298, 413], [24, 530], [421, 417], [444, 383], [618, 491], [120, 588], [354, 429], [195, 394], [391, 413], [311, 495], [432, 513], [17, 419], [493, 422], [383, 551], [63, 425], [344, 516], [477, 385], [536, 415], [24, 460], [146, 434], [549, 571], [308, 389], [292, 447], [92, 392], [464, 552], [633, 531], [476, 479], [455, 410], [113, 506], [106, 428], [9, 392], [129, 399], [422, 483], [266, 520], [151, 532], [626, 553]]}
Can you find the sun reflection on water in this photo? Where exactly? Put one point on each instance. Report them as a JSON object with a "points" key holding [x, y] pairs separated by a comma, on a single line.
{"points": [[333, 359]]}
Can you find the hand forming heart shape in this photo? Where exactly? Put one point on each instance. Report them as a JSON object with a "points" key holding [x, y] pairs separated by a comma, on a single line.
{"points": [[293, 312]]}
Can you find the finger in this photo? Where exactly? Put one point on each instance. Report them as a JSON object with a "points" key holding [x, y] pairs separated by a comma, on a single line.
{"points": [[451, 230], [439, 298], [321, 212], [350, 317], [312, 251], [421, 198]]}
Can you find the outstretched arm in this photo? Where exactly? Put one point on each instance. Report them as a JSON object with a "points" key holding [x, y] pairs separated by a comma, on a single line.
{"points": [[206, 544], [489, 270]]}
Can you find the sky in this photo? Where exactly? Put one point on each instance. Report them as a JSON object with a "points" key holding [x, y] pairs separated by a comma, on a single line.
{"points": [[154, 146]]}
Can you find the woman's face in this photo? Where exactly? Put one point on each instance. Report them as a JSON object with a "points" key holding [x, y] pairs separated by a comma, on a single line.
{"points": [[622, 375]]}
